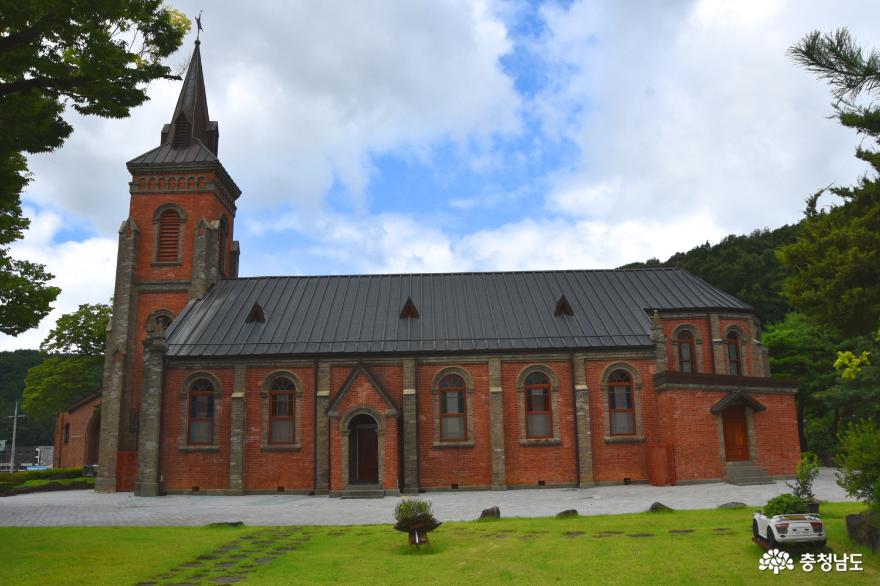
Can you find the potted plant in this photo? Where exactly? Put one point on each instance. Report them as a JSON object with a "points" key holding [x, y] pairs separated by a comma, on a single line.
{"points": [[414, 517], [805, 475]]}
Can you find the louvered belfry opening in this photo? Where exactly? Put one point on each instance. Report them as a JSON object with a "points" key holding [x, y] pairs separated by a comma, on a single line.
{"points": [[182, 133], [169, 236], [409, 310]]}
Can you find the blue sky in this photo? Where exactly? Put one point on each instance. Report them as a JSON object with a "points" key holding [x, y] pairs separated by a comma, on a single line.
{"points": [[472, 135]]}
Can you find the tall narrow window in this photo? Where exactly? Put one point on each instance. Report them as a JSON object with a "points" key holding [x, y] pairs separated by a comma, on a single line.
{"points": [[539, 423], [201, 412], [733, 354], [620, 403], [66, 433], [453, 415], [281, 407], [686, 352], [224, 234], [168, 244]]}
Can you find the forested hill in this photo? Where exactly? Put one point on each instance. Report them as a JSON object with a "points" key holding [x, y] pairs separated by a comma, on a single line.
{"points": [[13, 368], [745, 266]]}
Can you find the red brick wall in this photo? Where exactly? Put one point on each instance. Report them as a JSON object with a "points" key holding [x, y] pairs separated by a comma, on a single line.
{"points": [[441, 467], [704, 350], [526, 465], [196, 205], [612, 462], [143, 206], [73, 453], [362, 394], [692, 429], [776, 434], [183, 470], [267, 470]]}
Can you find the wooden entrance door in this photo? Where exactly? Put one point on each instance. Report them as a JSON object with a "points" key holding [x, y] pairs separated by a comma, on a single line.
{"points": [[363, 451], [367, 455], [736, 439]]}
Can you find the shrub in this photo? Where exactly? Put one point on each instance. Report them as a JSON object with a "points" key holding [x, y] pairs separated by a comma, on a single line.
{"points": [[414, 513], [785, 504], [807, 471], [49, 473], [859, 462]]}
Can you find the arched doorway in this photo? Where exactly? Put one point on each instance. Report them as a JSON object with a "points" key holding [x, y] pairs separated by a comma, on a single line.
{"points": [[363, 450], [93, 434]]}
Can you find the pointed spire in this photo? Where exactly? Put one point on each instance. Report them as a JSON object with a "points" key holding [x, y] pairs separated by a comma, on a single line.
{"points": [[190, 119]]}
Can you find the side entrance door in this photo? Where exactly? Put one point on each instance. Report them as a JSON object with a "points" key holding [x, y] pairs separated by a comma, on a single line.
{"points": [[736, 441]]}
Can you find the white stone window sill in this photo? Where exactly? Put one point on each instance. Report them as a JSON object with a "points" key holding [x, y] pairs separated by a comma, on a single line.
{"points": [[547, 441], [624, 439], [452, 444]]}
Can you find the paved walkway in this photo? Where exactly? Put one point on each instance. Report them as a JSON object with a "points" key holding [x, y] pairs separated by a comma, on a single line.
{"points": [[87, 508]]}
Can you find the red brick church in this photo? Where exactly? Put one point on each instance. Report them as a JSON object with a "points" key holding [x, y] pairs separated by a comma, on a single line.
{"points": [[381, 384]]}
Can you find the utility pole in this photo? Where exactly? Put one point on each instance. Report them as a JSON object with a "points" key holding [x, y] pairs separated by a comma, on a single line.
{"points": [[14, 431]]}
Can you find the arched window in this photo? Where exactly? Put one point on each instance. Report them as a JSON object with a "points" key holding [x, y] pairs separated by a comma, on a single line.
{"points": [[201, 412], [539, 421], [168, 242], [281, 408], [224, 234], [733, 353], [453, 414], [686, 352], [621, 408]]}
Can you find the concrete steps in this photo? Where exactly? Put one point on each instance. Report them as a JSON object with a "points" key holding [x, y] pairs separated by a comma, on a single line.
{"points": [[745, 473], [366, 492]]}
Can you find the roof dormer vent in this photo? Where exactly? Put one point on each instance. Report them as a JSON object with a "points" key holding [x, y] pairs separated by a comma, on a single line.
{"points": [[409, 310], [563, 307]]}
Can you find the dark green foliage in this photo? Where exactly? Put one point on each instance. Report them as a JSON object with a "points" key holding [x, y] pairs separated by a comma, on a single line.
{"points": [[805, 352], [414, 513], [81, 332], [48, 474], [13, 368], [96, 56], [859, 463], [75, 371], [59, 381], [835, 261], [784, 504], [744, 266]]}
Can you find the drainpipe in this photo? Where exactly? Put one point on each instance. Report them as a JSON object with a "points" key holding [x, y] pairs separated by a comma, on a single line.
{"points": [[315, 426]]}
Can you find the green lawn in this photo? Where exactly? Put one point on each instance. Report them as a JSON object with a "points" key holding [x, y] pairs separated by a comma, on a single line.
{"points": [[584, 549]]}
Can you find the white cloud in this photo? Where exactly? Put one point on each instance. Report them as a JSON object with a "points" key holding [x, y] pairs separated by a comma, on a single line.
{"points": [[84, 271], [688, 106]]}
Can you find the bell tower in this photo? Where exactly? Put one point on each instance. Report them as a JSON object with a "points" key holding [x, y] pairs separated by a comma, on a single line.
{"points": [[174, 245]]}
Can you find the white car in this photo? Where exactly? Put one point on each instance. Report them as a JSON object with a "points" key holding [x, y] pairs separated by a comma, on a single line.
{"points": [[789, 529]]}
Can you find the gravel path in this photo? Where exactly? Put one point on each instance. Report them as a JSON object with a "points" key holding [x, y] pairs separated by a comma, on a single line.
{"points": [[88, 508]]}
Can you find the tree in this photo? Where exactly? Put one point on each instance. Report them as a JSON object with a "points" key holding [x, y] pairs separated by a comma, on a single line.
{"points": [[14, 366], [74, 370], [835, 261], [801, 350], [745, 266], [97, 57]]}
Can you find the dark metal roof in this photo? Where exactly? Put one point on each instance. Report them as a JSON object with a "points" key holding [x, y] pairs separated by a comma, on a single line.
{"points": [[458, 312], [196, 152]]}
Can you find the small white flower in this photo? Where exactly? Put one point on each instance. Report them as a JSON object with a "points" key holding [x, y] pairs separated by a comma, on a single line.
{"points": [[776, 560]]}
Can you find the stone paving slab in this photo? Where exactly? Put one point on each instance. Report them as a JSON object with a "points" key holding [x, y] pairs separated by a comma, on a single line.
{"points": [[88, 508]]}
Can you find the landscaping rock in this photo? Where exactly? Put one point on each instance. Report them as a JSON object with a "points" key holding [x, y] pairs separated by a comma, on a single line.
{"points": [[732, 505], [491, 513], [864, 530], [658, 507], [567, 513]]}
